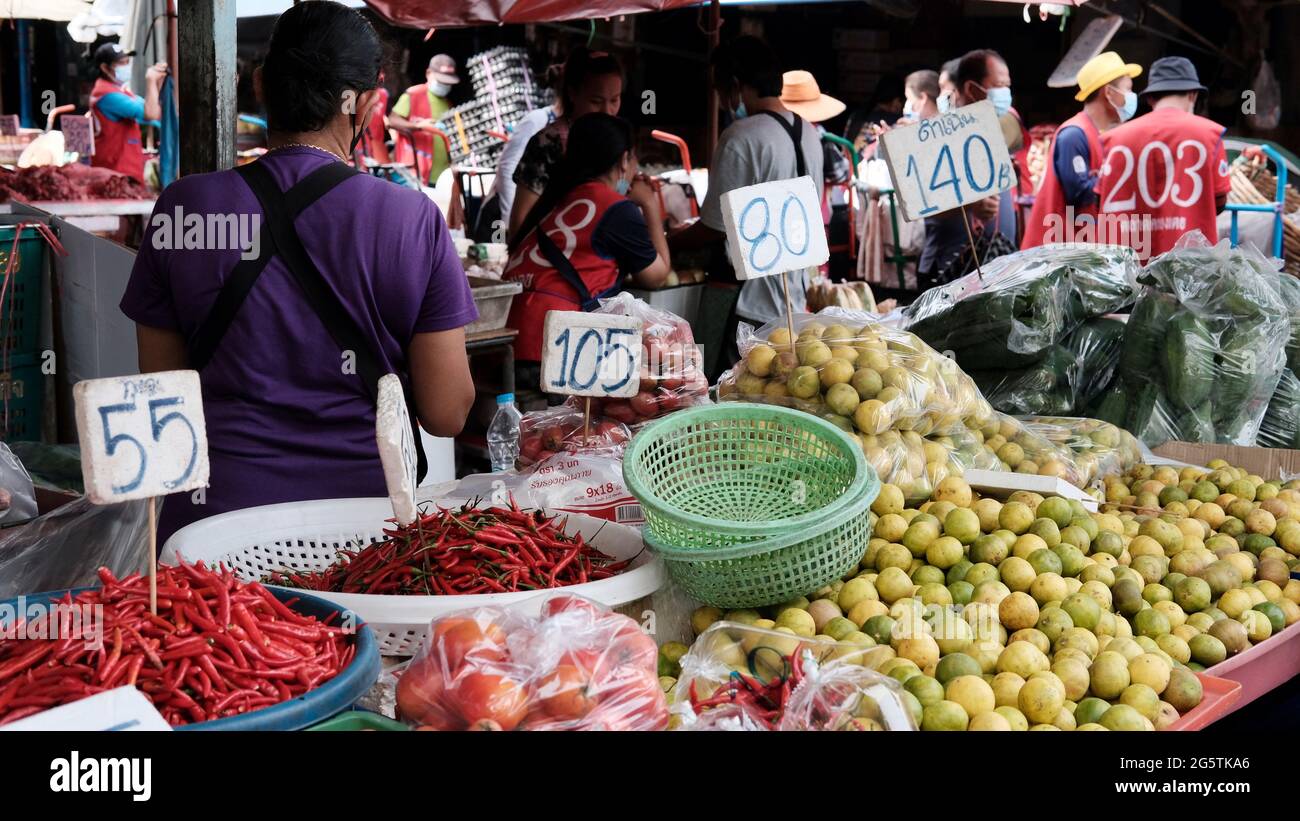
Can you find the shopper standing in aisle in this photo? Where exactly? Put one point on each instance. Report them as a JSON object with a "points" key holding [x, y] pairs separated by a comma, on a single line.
{"points": [[119, 113], [592, 82], [766, 142], [415, 115], [596, 222], [1066, 199], [346, 278], [1166, 171]]}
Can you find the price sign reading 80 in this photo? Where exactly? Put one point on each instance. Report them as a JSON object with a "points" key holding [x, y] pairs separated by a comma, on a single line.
{"points": [[948, 161], [774, 227], [591, 354], [141, 436]]}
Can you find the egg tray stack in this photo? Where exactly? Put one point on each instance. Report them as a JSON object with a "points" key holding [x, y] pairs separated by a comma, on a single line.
{"points": [[505, 89]]}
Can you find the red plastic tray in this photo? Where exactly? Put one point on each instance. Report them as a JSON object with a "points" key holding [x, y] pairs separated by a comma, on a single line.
{"points": [[1261, 668], [1220, 696]]}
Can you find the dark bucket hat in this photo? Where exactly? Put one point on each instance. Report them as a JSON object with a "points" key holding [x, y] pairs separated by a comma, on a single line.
{"points": [[1172, 74]]}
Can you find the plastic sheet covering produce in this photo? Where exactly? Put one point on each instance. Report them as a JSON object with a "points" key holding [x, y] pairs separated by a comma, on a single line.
{"points": [[1281, 425], [17, 498], [1290, 287], [1100, 448], [1096, 346], [740, 677], [1044, 387], [1202, 354], [1024, 303], [65, 547], [917, 417]]}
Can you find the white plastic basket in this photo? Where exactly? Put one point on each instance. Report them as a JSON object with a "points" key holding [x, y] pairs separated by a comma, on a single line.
{"points": [[308, 536]]}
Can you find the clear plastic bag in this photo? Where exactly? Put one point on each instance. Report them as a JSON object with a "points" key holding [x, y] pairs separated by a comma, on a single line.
{"points": [[672, 367], [17, 497], [847, 696], [578, 666], [1024, 303], [737, 676], [1100, 448], [1280, 427], [1290, 292], [589, 482], [544, 433], [67, 546], [1201, 351], [1045, 387]]}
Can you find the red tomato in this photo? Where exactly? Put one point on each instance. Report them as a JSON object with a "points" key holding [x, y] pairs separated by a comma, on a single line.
{"points": [[644, 404], [565, 693], [633, 648], [668, 400], [594, 663], [620, 410], [530, 446], [633, 702], [485, 696], [566, 603], [462, 639], [553, 437], [421, 696]]}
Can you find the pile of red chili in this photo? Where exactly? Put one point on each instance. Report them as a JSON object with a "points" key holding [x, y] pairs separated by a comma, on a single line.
{"points": [[217, 648], [462, 552]]}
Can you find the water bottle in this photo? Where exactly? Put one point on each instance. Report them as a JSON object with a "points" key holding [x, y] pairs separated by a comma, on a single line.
{"points": [[503, 434]]}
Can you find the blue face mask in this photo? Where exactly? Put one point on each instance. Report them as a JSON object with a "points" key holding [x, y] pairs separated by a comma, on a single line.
{"points": [[623, 186], [943, 103], [740, 111], [908, 111], [1130, 106], [1000, 96], [122, 74]]}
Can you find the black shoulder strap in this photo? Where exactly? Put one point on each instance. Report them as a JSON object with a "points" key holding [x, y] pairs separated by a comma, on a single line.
{"points": [[565, 268], [795, 130]]}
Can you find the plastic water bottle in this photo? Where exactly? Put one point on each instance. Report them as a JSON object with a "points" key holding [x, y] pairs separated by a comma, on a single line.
{"points": [[503, 434]]}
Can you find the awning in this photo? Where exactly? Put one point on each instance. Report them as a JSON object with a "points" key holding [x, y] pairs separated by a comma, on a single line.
{"points": [[426, 14], [62, 10]]}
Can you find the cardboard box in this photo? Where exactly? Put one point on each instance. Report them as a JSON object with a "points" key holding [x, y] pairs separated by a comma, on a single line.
{"points": [[1270, 463]]}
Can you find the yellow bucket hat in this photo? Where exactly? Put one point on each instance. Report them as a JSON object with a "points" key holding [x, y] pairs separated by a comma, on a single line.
{"points": [[1103, 69]]}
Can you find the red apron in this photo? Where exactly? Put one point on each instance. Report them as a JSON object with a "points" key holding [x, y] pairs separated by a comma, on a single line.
{"points": [[117, 143], [572, 227], [1051, 197], [1166, 167]]}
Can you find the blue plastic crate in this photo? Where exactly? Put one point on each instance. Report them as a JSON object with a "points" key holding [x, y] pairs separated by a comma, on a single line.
{"points": [[20, 303]]}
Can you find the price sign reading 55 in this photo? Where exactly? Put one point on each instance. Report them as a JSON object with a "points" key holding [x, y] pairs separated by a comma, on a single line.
{"points": [[949, 161], [591, 354], [774, 227], [141, 436]]}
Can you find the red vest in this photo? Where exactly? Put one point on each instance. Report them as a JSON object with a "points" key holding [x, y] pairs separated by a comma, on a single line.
{"points": [[416, 148], [1166, 166], [571, 225], [1050, 198], [117, 144]]}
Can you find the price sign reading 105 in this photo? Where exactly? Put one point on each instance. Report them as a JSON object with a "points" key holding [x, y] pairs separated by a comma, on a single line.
{"points": [[141, 436], [587, 354], [949, 161]]}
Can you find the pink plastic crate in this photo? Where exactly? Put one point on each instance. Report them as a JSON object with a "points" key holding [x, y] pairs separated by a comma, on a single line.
{"points": [[1261, 668], [1219, 697]]}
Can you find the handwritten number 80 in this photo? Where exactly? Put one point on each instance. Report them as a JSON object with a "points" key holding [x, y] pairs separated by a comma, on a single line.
{"points": [[782, 242]]}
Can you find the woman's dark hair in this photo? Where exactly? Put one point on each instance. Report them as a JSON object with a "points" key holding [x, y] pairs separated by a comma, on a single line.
{"points": [[318, 51], [596, 143], [751, 62], [581, 65]]}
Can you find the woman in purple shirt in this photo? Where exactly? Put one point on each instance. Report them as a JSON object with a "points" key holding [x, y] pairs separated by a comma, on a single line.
{"points": [[289, 403]]}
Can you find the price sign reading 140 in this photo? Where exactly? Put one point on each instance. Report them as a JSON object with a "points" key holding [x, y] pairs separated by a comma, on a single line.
{"points": [[949, 161], [141, 436], [591, 354], [774, 228]]}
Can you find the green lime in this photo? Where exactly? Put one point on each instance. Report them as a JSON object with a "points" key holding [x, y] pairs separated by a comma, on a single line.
{"points": [[1276, 617], [956, 664], [1045, 561]]}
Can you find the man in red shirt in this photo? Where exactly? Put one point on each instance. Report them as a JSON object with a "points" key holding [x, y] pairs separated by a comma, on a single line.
{"points": [[1166, 171]]}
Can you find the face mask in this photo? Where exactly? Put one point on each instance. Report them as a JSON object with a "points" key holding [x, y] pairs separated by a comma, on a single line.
{"points": [[623, 186], [943, 103], [1129, 108], [740, 111], [122, 74], [439, 89], [1000, 96], [908, 111]]}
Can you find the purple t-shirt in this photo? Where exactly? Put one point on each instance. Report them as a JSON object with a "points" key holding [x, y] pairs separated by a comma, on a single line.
{"points": [[285, 421]]}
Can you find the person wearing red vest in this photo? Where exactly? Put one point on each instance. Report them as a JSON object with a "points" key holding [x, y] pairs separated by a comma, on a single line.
{"points": [[415, 114], [1167, 171], [595, 222], [118, 113], [1066, 199]]}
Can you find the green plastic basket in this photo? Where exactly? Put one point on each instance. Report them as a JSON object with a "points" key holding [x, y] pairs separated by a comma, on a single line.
{"points": [[751, 504]]}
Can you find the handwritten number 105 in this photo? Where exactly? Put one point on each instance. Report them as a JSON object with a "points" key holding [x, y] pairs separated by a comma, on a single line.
{"points": [[783, 242]]}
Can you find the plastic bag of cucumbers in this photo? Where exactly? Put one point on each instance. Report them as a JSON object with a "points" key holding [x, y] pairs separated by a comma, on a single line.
{"points": [[1281, 425]]}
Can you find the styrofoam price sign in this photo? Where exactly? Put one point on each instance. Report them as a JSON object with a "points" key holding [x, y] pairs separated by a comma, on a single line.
{"points": [[948, 161], [588, 354], [396, 440], [141, 436], [774, 227], [78, 135]]}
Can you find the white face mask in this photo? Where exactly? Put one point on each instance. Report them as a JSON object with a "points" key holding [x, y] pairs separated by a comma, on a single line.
{"points": [[122, 74], [439, 89]]}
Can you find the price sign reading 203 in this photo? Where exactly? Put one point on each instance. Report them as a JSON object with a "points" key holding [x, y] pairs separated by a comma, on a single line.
{"points": [[949, 161], [141, 436], [774, 228], [586, 354]]}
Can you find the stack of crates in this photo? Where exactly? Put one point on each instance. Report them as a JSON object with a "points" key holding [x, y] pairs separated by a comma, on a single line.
{"points": [[21, 383], [505, 89]]}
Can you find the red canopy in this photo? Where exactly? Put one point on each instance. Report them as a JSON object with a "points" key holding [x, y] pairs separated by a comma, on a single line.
{"points": [[449, 13]]}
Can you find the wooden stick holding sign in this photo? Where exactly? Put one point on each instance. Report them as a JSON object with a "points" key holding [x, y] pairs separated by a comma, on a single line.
{"points": [[586, 354], [949, 162], [395, 437], [775, 228], [142, 437], [974, 252]]}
